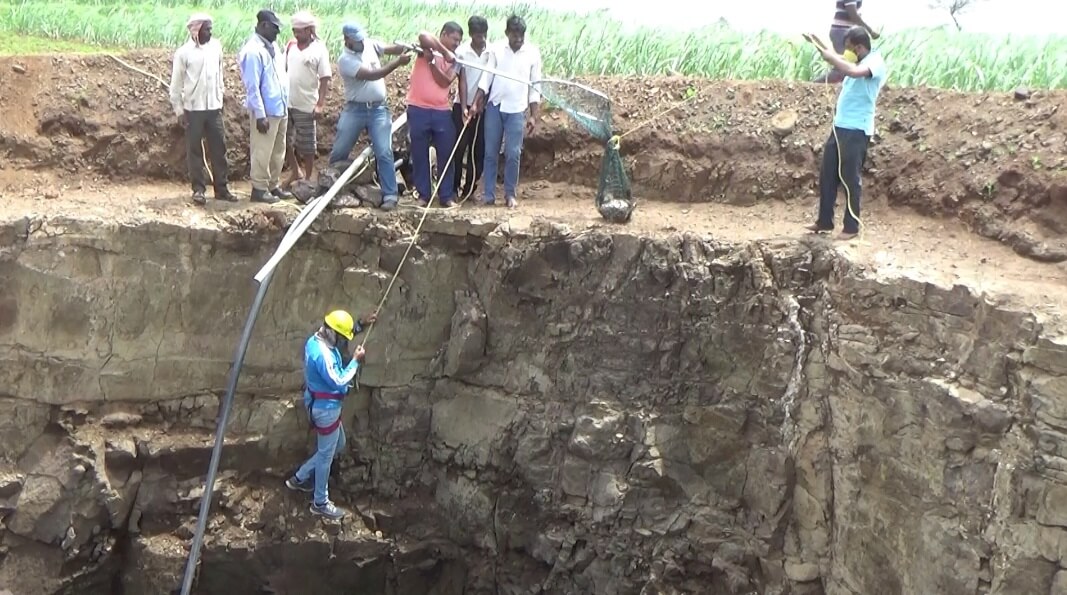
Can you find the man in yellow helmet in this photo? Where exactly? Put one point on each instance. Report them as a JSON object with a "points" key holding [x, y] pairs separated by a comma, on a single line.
{"points": [[326, 380]]}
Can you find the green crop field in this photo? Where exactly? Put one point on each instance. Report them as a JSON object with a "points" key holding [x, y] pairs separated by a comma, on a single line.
{"points": [[571, 44]]}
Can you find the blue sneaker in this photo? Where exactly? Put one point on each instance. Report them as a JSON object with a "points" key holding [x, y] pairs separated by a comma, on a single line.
{"points": [[296, 485], [327, 510]]}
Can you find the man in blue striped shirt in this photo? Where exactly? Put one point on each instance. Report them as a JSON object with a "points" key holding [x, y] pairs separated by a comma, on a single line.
{"points": [[326, 380], [266, 83]]}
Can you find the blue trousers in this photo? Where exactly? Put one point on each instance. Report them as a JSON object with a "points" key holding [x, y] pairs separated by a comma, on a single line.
{"points": [[376, 119], [328, 446], [426, 127], [510, 128]]}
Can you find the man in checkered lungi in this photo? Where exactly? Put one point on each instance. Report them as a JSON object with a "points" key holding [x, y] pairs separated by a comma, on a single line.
{"points": [[308, 63]]}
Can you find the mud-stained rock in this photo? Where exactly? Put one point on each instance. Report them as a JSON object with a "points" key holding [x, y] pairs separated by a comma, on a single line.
{"points": [[466, 344], [577, 413]]}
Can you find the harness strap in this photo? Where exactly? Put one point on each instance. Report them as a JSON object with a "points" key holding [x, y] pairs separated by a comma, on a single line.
{"points": [[328, 429]]}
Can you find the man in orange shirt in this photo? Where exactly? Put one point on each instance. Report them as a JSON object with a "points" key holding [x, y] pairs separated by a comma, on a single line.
{"points": [[430, 111]]}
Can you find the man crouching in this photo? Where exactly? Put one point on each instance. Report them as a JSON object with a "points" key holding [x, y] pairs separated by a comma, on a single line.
{"points": [[326, 380]]}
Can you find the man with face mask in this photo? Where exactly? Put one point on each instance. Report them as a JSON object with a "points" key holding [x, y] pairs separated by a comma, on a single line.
{"points": [[365, 107], [267, 86], [196, 90], [846, 148], [326, 380]]}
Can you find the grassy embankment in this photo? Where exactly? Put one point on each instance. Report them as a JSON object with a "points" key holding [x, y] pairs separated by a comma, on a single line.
{"points": [[571, 44]]}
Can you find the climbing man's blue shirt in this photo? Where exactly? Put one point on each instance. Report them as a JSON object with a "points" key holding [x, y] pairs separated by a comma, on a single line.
{"points": [[855, 105], [323, 372]]}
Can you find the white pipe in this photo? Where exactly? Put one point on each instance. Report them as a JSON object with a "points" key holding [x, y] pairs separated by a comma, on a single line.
{"points": [[302, 223]]}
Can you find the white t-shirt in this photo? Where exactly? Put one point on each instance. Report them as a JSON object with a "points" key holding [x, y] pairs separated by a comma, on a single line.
{"points": [[512, 96], [466, 53], [305, 68]]}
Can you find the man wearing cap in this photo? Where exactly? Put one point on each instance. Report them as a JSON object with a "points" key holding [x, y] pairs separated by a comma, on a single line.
{"points": [[365, 107], [326, 380], [307, 62], [266, 84], [196, 90]]}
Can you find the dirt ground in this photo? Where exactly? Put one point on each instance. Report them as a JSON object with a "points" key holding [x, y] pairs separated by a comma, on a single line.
{"points": [[968, 188]]}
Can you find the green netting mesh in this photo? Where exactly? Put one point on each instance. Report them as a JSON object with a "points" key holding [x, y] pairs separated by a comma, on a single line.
{"points": [[592, 109]]}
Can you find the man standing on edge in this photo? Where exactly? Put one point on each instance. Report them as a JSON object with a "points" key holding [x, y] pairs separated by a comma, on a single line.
{"points": [[267, 87], [196, 89], [326, 380], [430, 112], [846, 16], [470, 154], [505, 110], [365, 108], [846, 149], [307, 63]]}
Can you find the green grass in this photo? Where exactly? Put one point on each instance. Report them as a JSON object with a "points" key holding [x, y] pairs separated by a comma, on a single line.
{"points": [[23, 46], [570, 44]]}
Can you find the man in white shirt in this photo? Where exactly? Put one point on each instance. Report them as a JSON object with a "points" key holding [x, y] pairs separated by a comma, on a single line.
{"points": [[505, 109], [307, 61], [196, 89], [470, 154]]}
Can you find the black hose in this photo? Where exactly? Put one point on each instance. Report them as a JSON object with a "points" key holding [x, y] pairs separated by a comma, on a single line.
{"points": [[220, 431]]}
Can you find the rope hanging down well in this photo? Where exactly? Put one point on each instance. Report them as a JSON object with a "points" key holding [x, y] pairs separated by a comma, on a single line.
{"points": [[414, 236]]}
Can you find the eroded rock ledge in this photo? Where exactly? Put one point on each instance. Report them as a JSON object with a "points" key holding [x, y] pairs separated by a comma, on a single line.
{"points": [[578, 413]]}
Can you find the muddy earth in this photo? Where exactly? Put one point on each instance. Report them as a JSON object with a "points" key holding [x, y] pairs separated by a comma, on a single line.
{"points": [[702, 400]]}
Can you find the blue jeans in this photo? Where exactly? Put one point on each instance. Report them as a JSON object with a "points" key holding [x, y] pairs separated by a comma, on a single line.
{"points": [[510, 127], [435, 126], [328, 446], [378, 122]]}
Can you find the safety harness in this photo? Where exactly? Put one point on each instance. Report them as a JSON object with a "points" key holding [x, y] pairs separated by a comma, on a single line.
{"points": [[342, 347], [323, 430]]}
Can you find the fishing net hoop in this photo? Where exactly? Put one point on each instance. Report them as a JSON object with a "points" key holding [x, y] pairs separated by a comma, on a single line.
{"points": [[592, 110]]}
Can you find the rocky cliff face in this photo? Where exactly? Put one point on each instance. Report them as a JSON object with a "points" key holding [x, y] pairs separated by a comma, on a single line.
{"points": [[578, 413]]}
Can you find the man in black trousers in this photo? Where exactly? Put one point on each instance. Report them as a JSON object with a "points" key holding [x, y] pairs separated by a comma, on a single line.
{"points": [[196, 95], [470, 154]]}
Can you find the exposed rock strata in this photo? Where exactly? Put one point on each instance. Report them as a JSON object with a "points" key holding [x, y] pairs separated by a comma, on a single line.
{"points": [[585, 413]]}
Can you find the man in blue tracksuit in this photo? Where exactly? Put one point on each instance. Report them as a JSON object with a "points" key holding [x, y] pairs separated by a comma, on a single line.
{"points": [[326, 380]]}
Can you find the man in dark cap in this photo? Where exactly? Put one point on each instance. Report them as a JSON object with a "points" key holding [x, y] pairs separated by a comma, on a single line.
{"points": [[266, 83]]}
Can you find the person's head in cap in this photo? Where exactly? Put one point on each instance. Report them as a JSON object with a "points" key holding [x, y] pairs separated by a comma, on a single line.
{"points": [[354, 34], [304, 25], [268, 25], [199, 26]]}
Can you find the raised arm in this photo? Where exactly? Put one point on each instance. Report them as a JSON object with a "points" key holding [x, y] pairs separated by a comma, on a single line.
{"points": [[854, 16], [847, 68]]}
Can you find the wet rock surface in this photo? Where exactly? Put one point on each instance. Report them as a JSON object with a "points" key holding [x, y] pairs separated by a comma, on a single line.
{"points": [[540, 411]]}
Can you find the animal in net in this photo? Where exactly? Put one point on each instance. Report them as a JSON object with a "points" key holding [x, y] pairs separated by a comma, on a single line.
{"points": [[592, 109]]}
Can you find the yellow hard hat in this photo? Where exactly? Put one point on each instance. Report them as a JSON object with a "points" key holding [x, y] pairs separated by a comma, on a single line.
{"points": [[342, 322]]}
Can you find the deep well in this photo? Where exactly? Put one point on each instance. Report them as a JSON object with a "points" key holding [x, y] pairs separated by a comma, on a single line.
{"points": [[584, 413], [549, 405]]}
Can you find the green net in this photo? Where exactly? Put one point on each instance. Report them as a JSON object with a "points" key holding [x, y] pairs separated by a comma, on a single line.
{"points": [[592, 109]]}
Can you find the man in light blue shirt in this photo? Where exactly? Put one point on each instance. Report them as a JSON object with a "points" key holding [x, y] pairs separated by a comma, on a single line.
{"points": [[326, 379], [266, 84], [846, 149]]}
